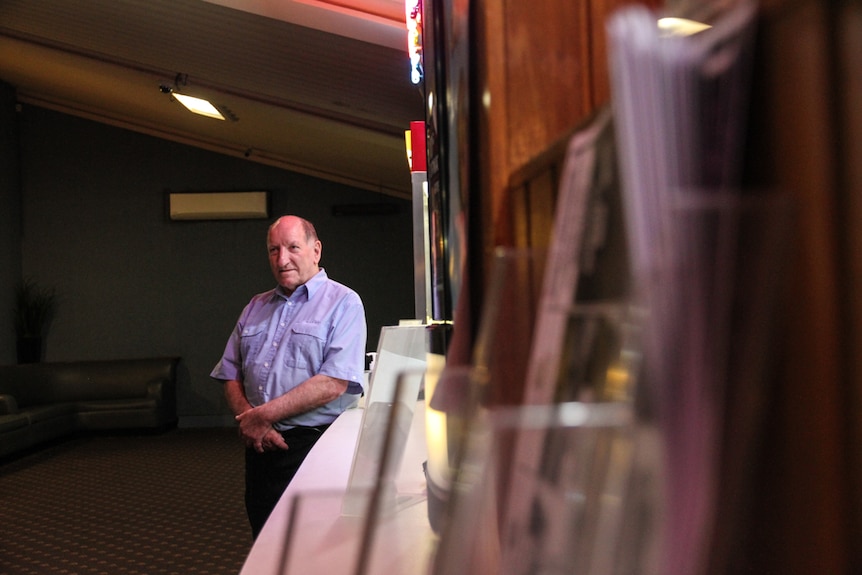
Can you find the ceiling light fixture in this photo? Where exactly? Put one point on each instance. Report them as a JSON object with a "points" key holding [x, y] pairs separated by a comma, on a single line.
{"points": [[194, 104], [681, 26], [198, 106]]}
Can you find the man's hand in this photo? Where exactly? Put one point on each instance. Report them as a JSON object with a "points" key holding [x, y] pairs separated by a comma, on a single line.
{"points": [[255, 423], [272, 441], [257, 432]]}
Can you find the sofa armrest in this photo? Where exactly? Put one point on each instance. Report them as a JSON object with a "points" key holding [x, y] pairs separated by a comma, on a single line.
{"points": [[8, 405], [158, 390], [164, 392]]}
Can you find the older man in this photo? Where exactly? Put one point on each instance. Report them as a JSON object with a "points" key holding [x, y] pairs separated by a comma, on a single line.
{"points": [[293, 363]]}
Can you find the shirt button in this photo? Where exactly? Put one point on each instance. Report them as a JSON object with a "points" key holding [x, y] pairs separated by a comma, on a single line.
{"points": [[266, 364], [275, 344]]}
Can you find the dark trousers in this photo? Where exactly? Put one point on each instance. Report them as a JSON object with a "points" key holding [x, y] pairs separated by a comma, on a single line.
{"points": [[267, 474]]}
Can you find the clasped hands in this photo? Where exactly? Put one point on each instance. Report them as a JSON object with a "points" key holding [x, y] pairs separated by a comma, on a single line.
{"points": [[257, 432]]}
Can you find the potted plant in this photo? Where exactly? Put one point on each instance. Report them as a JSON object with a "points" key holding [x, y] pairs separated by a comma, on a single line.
{"points": [[34, 309]]}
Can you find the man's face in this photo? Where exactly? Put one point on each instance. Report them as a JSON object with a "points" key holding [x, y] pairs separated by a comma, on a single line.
{"points": [[292, 258]]}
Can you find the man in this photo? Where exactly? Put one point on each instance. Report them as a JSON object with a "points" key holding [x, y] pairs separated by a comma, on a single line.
{"points": [[293, 363]]}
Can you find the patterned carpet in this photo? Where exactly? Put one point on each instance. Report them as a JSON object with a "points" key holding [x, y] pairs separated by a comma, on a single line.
{"points": [[166, 504]]}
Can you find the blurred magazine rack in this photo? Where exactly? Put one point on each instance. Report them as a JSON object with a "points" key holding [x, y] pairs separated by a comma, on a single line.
{"points": [[705, 254]]}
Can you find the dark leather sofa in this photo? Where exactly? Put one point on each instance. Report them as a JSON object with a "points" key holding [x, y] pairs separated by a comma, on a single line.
{"points": [[44, 401]]}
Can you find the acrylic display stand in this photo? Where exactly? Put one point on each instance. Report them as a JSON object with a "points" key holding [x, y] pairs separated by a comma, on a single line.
{"points": [[389, 534], [398, 371], [588, 499]]}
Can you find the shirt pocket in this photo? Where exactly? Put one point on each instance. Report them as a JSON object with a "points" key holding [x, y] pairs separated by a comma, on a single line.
{"points": [[251, 341], [305, 346]]}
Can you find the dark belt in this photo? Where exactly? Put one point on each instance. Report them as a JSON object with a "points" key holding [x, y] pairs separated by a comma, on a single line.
{"points": [[303, 429]]}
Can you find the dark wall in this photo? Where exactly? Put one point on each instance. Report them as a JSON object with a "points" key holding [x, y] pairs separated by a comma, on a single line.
{"points": [[132, 283]]}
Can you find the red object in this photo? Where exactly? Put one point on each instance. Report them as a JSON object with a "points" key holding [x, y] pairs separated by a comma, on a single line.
{"points": [[417, 146]]}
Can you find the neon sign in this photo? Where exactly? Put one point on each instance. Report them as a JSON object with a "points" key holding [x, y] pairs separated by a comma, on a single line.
{"points": [[413, 10]]}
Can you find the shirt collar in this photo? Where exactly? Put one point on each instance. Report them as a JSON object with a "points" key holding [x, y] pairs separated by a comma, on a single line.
{"points": [[311, 287], [315, 283]]}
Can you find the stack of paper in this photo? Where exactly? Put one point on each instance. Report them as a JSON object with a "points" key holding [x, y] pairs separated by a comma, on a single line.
{"points": [[680, 111]]}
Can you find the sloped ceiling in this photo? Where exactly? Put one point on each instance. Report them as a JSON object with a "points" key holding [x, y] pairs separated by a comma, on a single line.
{"points": [[317, 87]]}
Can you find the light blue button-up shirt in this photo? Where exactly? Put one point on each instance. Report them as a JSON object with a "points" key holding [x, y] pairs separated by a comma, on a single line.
{"points": [[281, 341]]}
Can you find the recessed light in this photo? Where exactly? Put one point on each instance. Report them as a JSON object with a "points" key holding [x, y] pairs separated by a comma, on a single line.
{"points": [[198, 106]]}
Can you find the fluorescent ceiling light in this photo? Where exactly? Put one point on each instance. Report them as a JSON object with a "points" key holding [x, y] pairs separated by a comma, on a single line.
{"points": [[198, 106], [681, 26]]}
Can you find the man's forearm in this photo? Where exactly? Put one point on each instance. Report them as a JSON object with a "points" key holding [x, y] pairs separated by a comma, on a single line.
{"points": [[234, 393], [310, 394]]}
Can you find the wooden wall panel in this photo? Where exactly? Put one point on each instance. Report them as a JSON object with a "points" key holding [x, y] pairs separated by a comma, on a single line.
{"points": [[492, 129], [547, 72], [519, 202], [542, 192], [541, 70]]}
